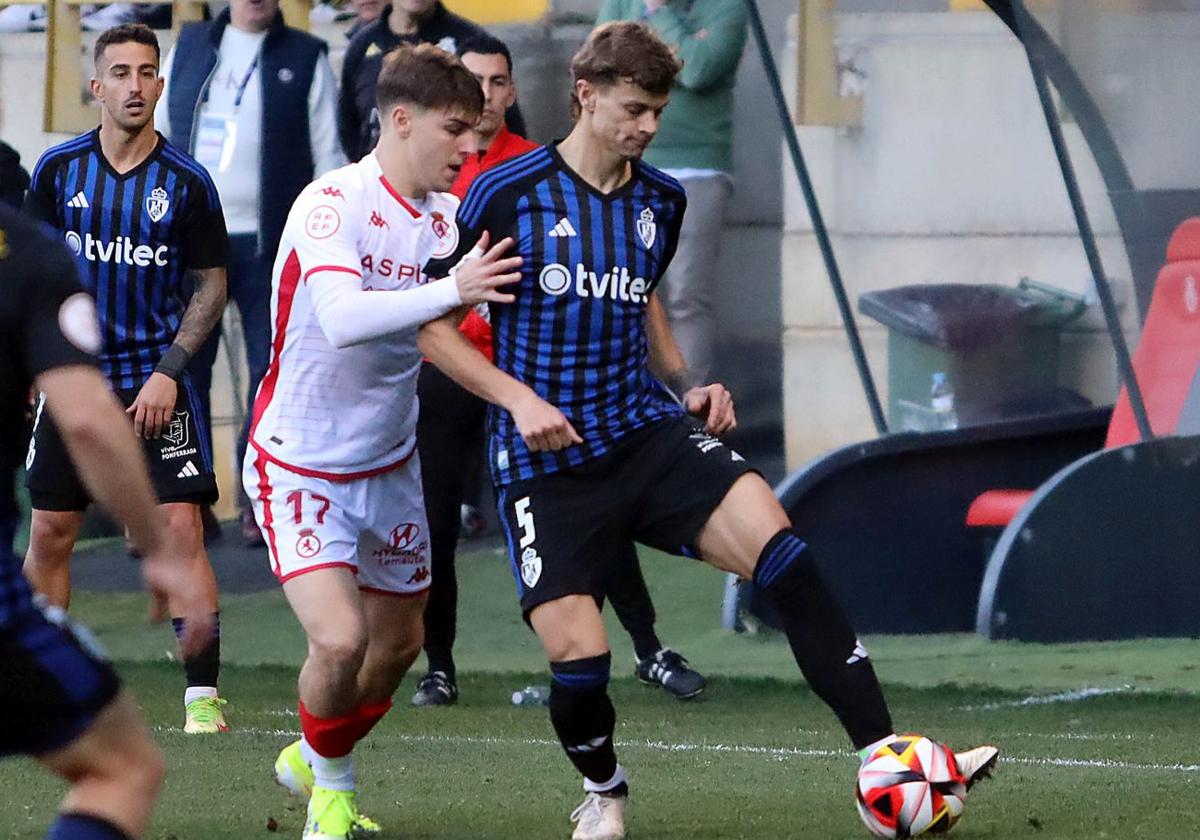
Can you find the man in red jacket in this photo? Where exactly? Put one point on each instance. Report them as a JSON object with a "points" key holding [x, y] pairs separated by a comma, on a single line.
{"points": [[450, 431]]}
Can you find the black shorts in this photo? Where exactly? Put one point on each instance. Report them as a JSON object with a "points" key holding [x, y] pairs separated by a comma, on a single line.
{"points": [[180, 461], [658, 487], [55, 681]]}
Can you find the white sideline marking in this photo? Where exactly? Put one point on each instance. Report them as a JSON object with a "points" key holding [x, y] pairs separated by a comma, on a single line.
{"points": [[778, 753], [1086, 736], [1101, 764], [1047, 699]]}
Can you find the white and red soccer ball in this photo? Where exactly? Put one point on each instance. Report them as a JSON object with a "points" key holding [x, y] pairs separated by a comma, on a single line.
{"points": [[908, 787]]}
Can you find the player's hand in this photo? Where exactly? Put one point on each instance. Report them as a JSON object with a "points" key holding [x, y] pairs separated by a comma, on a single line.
{"points": [[542, 426], [479, 278], [154, 405], [172, 591], [715, 404]]}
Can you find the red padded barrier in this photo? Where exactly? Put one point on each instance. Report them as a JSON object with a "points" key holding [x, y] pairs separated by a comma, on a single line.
{"points": [[1185, 242], [1167, 355], [996, 507]]}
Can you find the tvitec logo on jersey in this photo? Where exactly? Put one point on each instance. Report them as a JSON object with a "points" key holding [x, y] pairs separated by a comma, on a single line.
{"points": [[615, 284], [120, 250]]}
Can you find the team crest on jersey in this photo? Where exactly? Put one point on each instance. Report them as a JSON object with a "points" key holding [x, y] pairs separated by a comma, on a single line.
{"points": [[531, 567], [157, 204], [646, 228], [446, 233], [176, 433]]}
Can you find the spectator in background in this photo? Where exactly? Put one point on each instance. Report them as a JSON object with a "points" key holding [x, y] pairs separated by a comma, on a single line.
{"points": [[403, 22], [14, 180], [365, 12], [359, 12], [450, 430], [254, 101], [694, 144]]}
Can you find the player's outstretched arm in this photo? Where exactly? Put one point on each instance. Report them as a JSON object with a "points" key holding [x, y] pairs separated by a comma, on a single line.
{"points": [[113, 469], [712, 402], [543, 427], [155, 402]]}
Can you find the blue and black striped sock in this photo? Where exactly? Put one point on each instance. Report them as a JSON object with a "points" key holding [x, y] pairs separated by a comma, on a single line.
{"points": [[584, 718], [833, 661], [203, 668]]}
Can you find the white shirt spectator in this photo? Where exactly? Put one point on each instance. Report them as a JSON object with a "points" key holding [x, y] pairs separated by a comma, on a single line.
{"points": [[228, 133]]}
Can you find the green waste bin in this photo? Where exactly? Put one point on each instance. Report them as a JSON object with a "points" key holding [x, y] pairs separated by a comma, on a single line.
{"points": [[997, 345]]}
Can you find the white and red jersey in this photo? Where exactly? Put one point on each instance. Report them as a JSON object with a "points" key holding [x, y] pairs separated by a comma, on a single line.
{"points": [[350, 411]]}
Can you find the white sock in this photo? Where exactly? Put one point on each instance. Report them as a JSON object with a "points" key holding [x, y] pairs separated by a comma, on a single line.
{"points": [[333, 773], [195, 692], [603, 787], [307, 751], [866, 751]]}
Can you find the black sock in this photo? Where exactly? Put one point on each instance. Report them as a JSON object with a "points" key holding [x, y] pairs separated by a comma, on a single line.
{"points": [[204, 667], [824, 644], [645, 646], [584, 719], [73, 825]]}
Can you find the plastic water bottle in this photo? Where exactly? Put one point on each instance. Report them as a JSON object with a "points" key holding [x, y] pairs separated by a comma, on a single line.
{"points": [[941, 400], [532, 695]]}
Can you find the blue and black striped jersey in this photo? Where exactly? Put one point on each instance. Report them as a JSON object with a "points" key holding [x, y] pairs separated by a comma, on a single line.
{"points": [[576, 333], [135, 235]]}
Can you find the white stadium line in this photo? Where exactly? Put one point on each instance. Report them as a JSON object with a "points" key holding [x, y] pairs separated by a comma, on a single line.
{"points": [[1047, 699], [777, 753], [1086, 736]]}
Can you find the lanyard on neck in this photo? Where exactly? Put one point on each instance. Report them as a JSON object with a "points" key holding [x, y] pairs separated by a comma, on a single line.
{"points": [[241, 89]]}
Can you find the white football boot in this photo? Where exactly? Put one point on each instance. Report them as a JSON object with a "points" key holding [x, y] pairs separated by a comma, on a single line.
{"points": [[600, 817], [977, 764]]}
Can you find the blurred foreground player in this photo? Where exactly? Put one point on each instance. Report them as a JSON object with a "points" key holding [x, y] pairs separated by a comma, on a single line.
{"points": [[588, 334], [332, 467], [146, 226], [60, 701]]}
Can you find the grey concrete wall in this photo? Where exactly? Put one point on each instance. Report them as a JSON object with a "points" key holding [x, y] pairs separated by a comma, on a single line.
{"points": [[951, 178]]}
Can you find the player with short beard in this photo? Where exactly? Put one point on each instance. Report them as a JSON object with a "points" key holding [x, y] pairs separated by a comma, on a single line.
{"points": [[597, 228], [146, 224], [332, 466]]}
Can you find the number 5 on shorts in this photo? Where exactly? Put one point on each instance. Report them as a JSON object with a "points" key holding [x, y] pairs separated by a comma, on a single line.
{"points": [[525, 521]]}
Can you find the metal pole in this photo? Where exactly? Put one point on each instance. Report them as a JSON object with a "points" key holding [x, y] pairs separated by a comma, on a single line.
{"points": [[818, 222], [1088, 238]]}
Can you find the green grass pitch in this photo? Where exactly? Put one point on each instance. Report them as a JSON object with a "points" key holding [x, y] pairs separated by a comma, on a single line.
{"points": [[757, 757]]}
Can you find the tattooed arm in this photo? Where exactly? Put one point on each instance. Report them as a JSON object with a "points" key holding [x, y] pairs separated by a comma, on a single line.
{"points": [[204, 310], [156, 400]]}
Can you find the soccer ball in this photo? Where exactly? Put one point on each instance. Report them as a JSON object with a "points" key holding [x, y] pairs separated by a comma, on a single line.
{"points": [[910, 786]]}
